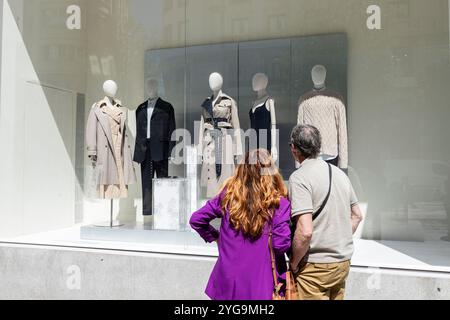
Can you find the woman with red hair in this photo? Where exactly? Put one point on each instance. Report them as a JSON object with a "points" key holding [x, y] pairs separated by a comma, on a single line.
{"points": [[252, 205]]}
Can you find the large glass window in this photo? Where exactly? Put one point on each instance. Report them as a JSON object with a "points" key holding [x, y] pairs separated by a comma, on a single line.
{"points": [[387, 63]]}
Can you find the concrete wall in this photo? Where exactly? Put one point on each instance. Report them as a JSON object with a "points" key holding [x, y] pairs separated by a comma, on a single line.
{"points": [[42, 273], [53, 273]]}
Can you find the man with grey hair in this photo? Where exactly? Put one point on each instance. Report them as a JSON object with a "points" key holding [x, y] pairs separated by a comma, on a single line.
{"points": [[325, 214]]}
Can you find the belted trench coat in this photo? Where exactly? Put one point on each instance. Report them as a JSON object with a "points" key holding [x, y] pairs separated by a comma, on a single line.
{"points": [[220, 142]]}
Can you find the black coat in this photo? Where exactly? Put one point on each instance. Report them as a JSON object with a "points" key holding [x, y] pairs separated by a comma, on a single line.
{"points": [[162, 127]]}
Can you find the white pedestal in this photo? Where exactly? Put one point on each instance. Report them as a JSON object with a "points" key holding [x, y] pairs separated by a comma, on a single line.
{"points": [[170, 204], [191, 161]]}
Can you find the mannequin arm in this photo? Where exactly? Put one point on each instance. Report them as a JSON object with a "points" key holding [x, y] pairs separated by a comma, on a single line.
{"points": [[237, 129], [200, 137], [172, 128], [273, 118], [91, 136], [343, 137], [300, 116]]}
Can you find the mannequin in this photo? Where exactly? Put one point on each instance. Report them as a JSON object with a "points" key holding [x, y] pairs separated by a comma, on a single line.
{"points": [[155, 123], [220, 139], [110, 89], [107, 143], [326, 110], [262, 115]]}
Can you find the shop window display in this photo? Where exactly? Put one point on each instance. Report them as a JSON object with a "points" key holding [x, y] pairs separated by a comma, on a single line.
{"points": [[78, 149]]}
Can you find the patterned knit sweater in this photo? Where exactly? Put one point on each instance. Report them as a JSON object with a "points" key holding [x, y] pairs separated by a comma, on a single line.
{"points": [[327, 114]]}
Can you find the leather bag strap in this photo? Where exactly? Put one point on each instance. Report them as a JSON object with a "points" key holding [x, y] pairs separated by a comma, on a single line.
{"points": [[277, 285], [316, 215]]}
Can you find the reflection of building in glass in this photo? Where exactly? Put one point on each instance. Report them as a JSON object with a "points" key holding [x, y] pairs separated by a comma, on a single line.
{"points": [[59, 54]]}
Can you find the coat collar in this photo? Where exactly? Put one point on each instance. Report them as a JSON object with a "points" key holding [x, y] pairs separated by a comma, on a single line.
{"points": [[102, 117], [118, 110], [106, 101], [156, 102], [208, 103], [144, 105], [158, 107]]}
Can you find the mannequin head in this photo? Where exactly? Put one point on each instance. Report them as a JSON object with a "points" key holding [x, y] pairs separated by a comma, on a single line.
{"points": [[260, 82], [319, 76], [152, 87], [110, 88], [216, 82]]}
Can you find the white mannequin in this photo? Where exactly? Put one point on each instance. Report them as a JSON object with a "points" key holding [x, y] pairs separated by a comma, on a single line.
{"points": [[110, 89], [216, 84], [260, 83], [152, 88], [319, 76]]}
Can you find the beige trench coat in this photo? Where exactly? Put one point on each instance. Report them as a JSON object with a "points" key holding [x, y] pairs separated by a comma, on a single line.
{"points": [[226, 110], [99, 143]]}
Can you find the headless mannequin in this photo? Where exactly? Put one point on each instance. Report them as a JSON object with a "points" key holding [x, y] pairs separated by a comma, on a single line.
{"points": [[260, 83]]}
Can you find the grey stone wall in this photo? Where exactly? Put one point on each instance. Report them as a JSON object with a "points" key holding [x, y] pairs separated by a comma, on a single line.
{"points": [[63, 273]]}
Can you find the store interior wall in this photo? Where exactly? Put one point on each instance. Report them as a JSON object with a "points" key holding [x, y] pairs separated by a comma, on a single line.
{"points": [[397, 92], [43, 71]]}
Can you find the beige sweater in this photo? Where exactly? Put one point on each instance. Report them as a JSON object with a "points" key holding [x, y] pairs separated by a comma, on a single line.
{"points": [[329, 116]]}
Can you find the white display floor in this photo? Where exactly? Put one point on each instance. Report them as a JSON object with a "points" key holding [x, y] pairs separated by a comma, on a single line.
{"points": [[433, 256], [171, 242]]}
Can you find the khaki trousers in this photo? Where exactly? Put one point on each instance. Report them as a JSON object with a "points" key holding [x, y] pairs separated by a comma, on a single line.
{"points": [[322, 281]]}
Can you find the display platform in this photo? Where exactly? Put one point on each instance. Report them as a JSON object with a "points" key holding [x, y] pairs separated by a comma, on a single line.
{"points": [[431, 256], [140, 233]]}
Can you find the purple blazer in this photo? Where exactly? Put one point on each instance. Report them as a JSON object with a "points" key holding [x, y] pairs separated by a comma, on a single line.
{"points": [[244, 269]]}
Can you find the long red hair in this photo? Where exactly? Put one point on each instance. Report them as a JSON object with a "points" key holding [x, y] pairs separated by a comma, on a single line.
{"points": [[253, 193]]}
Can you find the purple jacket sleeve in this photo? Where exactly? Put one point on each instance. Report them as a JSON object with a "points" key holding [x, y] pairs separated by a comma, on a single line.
{"points": [[281, 241], [200, 220]]}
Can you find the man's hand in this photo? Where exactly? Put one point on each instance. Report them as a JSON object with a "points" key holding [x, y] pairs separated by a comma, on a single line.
{"points": [[294, 269]]}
